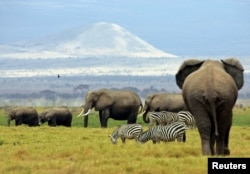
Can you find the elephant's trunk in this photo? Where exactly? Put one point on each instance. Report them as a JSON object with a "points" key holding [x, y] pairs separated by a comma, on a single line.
{"points": [[145, 118]]}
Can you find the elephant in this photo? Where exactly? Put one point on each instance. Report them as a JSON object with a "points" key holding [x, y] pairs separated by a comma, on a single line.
{"points": [[23, 115], [116, 104], [210, 90], [56, 117], [163, 102]]}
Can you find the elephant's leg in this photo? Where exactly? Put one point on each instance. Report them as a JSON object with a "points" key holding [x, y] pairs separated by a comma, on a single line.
{"points": [[224, 122], [226, 148], [18, 122], [52, 122], [220, 144], [212, 143], [33, 122], [132, 117], [104, 118], [226, 138], [104, 122], [68, 123], [205, 130]]}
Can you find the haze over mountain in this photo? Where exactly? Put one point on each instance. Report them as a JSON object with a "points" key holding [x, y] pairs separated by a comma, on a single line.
{"points": [[98, 40]]}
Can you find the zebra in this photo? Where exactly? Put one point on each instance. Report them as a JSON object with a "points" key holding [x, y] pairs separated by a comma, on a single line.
{"points": [[187, 118], [129, 131], [163, 118], [165, 133]]}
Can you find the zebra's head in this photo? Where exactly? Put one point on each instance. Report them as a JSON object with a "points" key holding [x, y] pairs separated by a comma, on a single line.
{"points": [[113, 139]]}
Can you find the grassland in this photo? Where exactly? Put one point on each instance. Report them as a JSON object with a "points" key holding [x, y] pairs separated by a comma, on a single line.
{"points": [[63, 150]]}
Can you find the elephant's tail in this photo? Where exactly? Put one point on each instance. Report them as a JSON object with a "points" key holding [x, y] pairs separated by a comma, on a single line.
{"points": [[214, 117]]}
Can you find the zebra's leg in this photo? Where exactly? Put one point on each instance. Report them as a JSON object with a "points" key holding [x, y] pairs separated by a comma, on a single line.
{"points": [[123, 139], [181, 138], [184, 137], [155, 139]]}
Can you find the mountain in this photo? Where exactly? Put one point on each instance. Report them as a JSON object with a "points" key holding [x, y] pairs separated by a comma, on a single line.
{"points": [[98, 40]]}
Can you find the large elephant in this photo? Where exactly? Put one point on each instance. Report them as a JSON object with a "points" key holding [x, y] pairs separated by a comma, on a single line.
{"points": [[56, 117], [23, 115], [116, 104], [163, 102], [210, 89]]}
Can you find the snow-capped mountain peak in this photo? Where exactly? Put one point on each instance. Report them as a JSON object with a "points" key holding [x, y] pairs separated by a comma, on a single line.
{"points": [[98, 40]]}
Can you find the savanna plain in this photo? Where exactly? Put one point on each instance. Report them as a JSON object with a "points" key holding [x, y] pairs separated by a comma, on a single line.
{"points": [[62, 150]]}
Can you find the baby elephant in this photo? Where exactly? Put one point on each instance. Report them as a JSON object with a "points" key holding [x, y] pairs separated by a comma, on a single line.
{"points": [[56, 117], [129, 131]]}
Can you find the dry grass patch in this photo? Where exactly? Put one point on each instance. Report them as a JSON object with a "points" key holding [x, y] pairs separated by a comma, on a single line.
{"points": [[89, 150]]}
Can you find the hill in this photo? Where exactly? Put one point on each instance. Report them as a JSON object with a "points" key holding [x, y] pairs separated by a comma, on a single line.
{"points": [[97, 40]]}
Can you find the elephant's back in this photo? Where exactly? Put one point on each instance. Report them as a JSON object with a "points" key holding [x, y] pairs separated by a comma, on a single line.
{"points": [[60, 111], [127, 96], [210, 82], [27, 111]]}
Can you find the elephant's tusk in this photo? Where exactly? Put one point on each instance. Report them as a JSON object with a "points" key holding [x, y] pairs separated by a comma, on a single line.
{"points": [[141, 114], [87, 113], [140, 109], [80, 113]]}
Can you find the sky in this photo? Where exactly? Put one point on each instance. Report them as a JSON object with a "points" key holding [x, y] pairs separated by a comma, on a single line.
{"points": [[180, 27]]}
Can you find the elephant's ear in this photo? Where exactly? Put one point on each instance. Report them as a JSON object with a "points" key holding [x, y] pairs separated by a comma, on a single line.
{"points": [[187, 67], [235, 69], [105, 100]]}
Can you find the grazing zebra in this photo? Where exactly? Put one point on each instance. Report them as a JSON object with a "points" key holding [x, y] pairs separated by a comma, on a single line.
{"points": [[162, 118], [187, 118], [128, 131], [165, 133]]}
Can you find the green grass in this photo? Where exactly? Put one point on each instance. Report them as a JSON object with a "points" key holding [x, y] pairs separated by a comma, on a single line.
{"points": [[241, 118], [61, 150]]}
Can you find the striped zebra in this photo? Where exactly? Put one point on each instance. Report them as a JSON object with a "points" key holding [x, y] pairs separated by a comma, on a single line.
{"points": [[187, 118], [165, 133], [162, 118], [129, 131]]}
